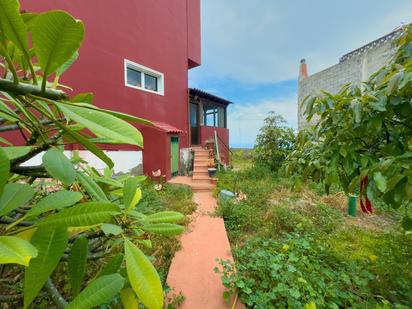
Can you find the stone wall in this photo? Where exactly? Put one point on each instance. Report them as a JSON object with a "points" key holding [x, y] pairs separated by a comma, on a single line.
{"points": [[354, 68]]}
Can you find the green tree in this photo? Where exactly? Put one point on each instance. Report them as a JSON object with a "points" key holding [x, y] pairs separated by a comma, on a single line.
{"points": [[64, 210], [274, 141], [364, 133]]}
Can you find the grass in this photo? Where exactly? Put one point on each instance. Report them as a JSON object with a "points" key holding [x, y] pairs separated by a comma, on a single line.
{"points": [[362, 262], [241, 158]]}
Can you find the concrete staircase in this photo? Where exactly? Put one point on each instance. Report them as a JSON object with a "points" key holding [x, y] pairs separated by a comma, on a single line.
{"points": [[201, 182]]}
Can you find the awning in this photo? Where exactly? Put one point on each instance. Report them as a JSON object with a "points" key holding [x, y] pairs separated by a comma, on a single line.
{"points": [[168, 128]]}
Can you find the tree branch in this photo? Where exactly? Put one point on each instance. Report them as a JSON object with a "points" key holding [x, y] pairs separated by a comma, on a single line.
{"points": [[32, 171], [25, 89], [55, 294]]}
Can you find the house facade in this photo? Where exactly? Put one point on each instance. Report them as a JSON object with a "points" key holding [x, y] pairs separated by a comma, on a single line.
{"points": [[135, 59], [354, 67]]}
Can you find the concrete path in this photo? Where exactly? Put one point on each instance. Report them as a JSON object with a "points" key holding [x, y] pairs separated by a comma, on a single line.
{"points": [[192, 267]]}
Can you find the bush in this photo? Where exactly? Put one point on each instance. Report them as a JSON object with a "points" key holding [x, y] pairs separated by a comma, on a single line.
{"points": [[291, 250], [295, 272], [274, 142]]}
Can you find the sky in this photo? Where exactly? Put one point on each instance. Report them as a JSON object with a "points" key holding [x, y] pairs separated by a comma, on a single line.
{"points": [[251, 50]]}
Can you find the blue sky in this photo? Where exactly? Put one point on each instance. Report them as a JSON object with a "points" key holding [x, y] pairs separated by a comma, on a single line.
{"points": [[251, 50]]}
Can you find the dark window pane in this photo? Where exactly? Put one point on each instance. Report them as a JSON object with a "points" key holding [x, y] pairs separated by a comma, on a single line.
{"points": [[134, 77], [221, 117], [150, 82]]}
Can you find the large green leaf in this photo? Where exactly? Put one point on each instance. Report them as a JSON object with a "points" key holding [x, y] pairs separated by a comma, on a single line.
{"points": [[113, 265], [59, 166], [16, 151], [12, 24], [16, 250], [14, 195], [77, 263], [380, 181], [100, 291], [67, 64], [103, 124], [91, 187], [56, 36], [128, 298], [50, 242], [83, 215], [165, 217], [4, 169], [143, 277], [57, 200], [111, 229], [131, 193], [119, 115], [87, 144], [164, 228]]}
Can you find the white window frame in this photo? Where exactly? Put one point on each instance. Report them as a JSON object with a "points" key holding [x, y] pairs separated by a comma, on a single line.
{"points": [[144, 70]]}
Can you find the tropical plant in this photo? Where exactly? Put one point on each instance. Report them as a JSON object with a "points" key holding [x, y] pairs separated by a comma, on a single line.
{"points": [[364, 134], [63, 215], [274, 141]]}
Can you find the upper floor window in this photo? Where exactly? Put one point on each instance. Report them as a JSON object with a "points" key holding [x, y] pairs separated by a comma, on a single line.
{"points": [[143, 78]]}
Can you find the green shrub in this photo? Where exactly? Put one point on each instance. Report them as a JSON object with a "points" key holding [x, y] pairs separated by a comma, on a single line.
{"points": [[274, 142], [296, 271]]}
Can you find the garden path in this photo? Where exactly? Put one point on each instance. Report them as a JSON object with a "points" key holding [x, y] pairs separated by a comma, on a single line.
{"points": [[205, 240]]}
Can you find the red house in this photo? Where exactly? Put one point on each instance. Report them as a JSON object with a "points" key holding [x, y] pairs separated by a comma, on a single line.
{"points": [[135, 59]]}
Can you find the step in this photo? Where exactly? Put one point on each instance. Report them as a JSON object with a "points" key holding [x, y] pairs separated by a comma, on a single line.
{"points": [[201, 181], [200, 169], [201, 164], [200, 174], [201, 177], [202, 159]]}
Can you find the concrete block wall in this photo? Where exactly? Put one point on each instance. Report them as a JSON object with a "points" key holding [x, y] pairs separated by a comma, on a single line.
{"points": [[354, 69]]}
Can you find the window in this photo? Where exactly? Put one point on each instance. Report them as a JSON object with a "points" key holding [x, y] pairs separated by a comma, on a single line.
{"points": [[142, 78], [214, 116]]}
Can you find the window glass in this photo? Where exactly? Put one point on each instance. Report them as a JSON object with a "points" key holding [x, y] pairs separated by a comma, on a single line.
{"points": [[150, 82], [221, 117], [134, 77]]}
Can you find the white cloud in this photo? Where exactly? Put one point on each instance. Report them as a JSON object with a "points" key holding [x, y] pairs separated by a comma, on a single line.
{"points": [[245, 120], [263, 40]]}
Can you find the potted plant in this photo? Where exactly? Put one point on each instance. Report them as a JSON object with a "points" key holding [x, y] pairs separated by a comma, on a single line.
{"points": [[211, 168]]}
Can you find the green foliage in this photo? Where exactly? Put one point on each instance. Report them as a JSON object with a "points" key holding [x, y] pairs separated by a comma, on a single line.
{"points": [[143, 277], [56, 36], [14, 195], [77, 263], [363, 131], [4, 169], [59, 166], [50, 243], [295, 271], [274, 142], [66, 222], [98, 292], [16, 250], [293, 250]]}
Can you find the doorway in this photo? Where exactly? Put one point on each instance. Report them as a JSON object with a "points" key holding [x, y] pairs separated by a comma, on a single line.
{"points": [[194, 123], [174, 156]]}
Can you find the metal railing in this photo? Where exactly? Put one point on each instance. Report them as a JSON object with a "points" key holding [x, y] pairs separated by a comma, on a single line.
{"points": [[218, 157]]}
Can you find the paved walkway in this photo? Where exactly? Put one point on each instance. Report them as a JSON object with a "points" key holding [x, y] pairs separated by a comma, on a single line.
{"points": [[192, 267]]}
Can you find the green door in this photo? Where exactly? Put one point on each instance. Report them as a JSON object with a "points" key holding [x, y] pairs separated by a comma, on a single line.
{"points": [[174, 155]]}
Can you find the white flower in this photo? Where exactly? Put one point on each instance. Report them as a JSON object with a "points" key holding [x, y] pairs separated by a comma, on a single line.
{"points": [[158, 187], [156, 173]]}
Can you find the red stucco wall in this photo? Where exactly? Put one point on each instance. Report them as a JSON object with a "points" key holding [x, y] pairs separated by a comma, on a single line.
{"points": [[161, 35], [208, 133], [194, 33]]}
